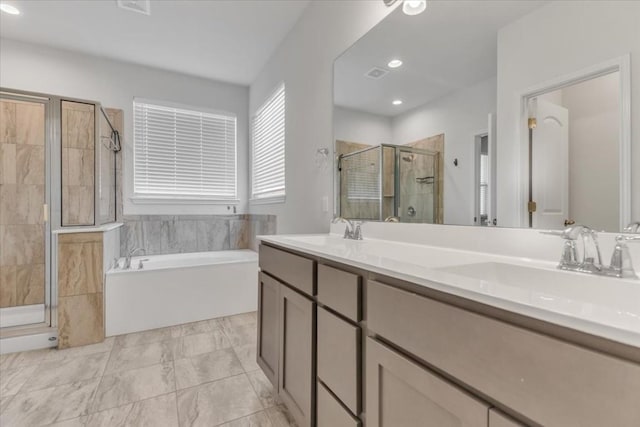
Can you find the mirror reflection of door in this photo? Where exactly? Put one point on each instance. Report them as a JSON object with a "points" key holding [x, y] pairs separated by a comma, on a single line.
{"points": [[575, 148], [482, 181], [550, 174]]}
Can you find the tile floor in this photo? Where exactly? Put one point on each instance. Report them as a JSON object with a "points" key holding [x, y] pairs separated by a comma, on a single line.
{"points": [[197, 374]]}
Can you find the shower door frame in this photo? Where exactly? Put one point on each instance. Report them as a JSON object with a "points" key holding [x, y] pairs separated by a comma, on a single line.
{"points": [[396, 176], [53, 195], [50, 311]]}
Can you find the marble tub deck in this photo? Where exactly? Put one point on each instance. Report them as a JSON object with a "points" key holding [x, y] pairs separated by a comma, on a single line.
{"points": [[196, 374]]}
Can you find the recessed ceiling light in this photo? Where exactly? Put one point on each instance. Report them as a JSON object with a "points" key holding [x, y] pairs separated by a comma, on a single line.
{"points": [[397, 102], [414, 7], [394, 63], [7, 8]]}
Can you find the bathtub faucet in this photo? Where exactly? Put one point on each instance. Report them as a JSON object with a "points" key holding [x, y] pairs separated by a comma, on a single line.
{"points": [[132, 252]]}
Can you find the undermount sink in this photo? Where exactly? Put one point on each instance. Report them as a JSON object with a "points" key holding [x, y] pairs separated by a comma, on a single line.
{"points": [[567, 291]]}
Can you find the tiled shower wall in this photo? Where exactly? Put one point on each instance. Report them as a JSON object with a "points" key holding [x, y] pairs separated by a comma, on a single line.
{"points": [[22, 188], [167, 234]]}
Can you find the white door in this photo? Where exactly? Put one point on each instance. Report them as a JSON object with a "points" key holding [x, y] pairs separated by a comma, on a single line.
{"points": [[550, 175]]}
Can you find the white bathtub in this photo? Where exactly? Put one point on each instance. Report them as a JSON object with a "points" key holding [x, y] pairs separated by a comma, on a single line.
{"points": [[179, 288]]}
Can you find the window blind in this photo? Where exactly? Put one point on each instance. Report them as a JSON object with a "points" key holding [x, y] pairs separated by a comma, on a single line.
{"points": [[268, 136], [362, 173], [181, 153]]}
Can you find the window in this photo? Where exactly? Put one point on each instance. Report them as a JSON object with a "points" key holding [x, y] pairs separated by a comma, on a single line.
{"points": [[267, 157], [183, 153], [362, 174]]}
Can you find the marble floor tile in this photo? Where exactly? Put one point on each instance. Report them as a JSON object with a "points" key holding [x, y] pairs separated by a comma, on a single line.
{"points": [[134, 385], [242, 335], [192, 345], [218, 402], [247, 356], [49, 405], [15, 360], [259, 419], [146, 337], [4, 402], [12, 380], [243, 319], [158, 411], [125, 358], [58, 372], [207, 367], [263, 388], [280, 417], [197, 328], [83, 350]]}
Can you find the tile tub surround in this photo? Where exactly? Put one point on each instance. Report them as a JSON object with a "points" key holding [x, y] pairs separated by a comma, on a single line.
{"points": [[166, 234], [145, 378]]}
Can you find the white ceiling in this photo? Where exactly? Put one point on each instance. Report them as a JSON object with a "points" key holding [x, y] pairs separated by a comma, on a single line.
{"points": [[452, 45], [222, 40]]}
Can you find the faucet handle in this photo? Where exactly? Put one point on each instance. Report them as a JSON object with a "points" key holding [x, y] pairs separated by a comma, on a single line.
{"points": [[634, 227], [621, 264]]}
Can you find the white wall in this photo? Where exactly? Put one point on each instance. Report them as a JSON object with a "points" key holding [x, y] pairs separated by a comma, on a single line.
{"points": [[461, 116], [560, 38], [594, 121], [304, 61], [115, 84], [364, 128]]}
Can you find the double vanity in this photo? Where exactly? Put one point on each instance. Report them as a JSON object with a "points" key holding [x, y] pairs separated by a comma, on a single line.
{"points": [[388, 333]]}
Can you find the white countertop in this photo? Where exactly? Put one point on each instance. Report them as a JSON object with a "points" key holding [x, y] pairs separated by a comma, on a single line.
{"points": [[601, 306]]}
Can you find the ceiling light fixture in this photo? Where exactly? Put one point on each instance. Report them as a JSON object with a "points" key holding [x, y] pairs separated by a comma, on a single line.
{"points": [[414, 7], [11, 10], [394, 63], [397, 102]]}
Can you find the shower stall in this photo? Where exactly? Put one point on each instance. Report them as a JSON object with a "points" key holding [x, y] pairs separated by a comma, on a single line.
{"points": [[388, 181], [57, 170]]}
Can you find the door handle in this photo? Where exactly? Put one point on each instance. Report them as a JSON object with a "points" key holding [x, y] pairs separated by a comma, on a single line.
{"points": [[568, 222]]}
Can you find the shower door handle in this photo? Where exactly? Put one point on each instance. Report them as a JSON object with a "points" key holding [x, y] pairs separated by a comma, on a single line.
{"points": [[45, 213]]}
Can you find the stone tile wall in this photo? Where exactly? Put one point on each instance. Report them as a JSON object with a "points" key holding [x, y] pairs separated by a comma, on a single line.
{"points": [[22, 186]]}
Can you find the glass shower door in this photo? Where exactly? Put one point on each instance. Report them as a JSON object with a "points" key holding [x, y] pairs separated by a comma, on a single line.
{"points": [[23, 227], [417, 186]]}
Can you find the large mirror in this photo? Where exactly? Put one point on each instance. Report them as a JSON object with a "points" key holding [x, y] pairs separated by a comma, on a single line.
{"points": [[489, 113]]}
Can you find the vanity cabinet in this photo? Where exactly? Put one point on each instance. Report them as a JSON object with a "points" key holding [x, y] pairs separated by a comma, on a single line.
{"points": [[365, 347], [268, 330], [286, 329], [402, 393]]}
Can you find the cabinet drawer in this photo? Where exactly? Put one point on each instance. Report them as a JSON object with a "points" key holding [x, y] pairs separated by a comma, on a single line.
{"points": [[545, 380], [331, 413], [294, 270], [402, 393], [339, 358], [340, 290]]}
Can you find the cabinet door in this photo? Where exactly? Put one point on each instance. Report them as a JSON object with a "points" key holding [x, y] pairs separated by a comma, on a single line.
{"points": [[296, 370], [401, 393], [268, 344]]}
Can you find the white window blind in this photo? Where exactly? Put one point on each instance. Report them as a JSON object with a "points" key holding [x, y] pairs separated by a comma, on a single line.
{"points": [[181, 153], [268, 168], [362, 173]]}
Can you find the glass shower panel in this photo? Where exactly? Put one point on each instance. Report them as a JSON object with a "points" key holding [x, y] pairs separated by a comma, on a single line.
{"points": [[360, 193], [418, 175], [22, 222], [78, 163], [106, 185]]}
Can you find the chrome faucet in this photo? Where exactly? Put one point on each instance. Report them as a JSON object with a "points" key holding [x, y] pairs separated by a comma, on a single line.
{"points": [[620, 266], [633, 228], [132, 252], [353, 230], [591, 258]]}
